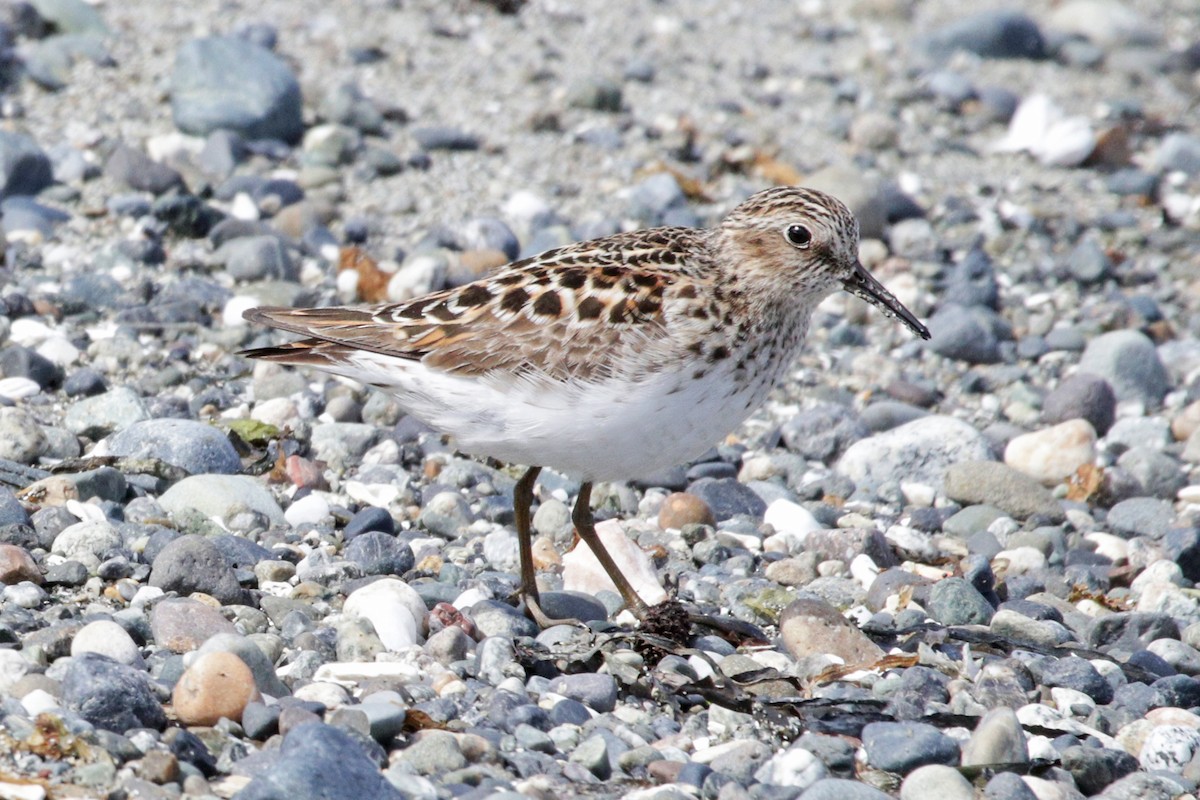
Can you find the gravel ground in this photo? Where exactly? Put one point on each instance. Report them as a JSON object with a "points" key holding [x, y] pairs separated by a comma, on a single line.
{"points": [[965, 567]]}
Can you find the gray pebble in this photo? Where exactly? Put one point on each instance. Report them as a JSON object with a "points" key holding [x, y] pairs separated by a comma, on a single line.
{"points": [[1129, 362], [255, 258], [903, 746], [991, 34], [192, 446], [194, 564], [1081, 396], [111, 695], [221, 82]]}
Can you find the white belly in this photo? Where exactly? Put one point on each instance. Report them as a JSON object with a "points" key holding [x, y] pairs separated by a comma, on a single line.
{"points": [[599, 431]]}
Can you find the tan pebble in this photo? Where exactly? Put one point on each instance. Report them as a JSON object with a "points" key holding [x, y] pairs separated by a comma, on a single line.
{"points": [[481, 262], [1053, 454], [430, 564], [1186, 422], [545, 554], [17, 565], [681, 509], [159, 766], [810, 627], [216, 685]]}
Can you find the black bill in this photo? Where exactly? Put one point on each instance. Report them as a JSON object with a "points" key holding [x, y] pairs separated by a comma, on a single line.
{"points": [[863, 284]]}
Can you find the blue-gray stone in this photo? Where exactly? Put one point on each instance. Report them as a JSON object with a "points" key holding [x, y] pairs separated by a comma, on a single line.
{"points": [[24, 167], [594, 690], [111, 695], [319, 762], [231, 83], [903, 746], [192, 446], [823, 433], [966, 334], [379, 553], [1128, 360], [727, 498], [1082, 396], [991, 34], [192, 563]]}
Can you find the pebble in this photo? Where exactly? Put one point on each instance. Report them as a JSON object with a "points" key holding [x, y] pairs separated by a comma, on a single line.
{"points": [[107, 638], [24, 167], [1014, 493], [919, 451], [228, 83], [98, 416], [193, 563], [1053, 454], [1082, 396], [112, 696], [192, 446], [1128, 361], [583, 573], [215, 685], [682, 508], [395, 610], [16, 565], [182, 624], [991, 34], [221, 496], [903, 746], [319, 755], [936, 780]]}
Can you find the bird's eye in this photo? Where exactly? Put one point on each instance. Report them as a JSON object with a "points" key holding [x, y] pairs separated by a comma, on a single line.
{"points": [[799, 235]]}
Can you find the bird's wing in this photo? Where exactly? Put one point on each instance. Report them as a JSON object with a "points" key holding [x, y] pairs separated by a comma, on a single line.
{"points": [[584, 312]]}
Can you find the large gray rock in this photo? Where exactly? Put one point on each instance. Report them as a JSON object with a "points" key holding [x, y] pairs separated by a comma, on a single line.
{"points": [[231, 83], [918, 451]]}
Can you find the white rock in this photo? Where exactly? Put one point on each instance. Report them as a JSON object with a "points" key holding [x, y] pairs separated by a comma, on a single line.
{"points": [[920, 451], [330, 695], [18, 388], [1020, 560], [921, 495], [416, 277], [500, 549], [583, 573], [469, 598], [393, 607], [35, 702], [13, 667], [59, 351], [791, 518], [1069, 699], [108, 639], [1112, 547], [795, 767], [1160, 572], [1169, 747], [936, 780], [1053, 454], [278, 411], [231, 314], [310, 509], [30, 331], [86, 541]]}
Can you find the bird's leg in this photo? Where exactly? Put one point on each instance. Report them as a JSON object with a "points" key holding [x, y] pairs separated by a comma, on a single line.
{"points": [[586, 527], [522, 501]]}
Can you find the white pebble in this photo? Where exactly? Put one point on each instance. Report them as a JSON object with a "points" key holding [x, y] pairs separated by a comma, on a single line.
{"points": [[393, 607], [18, 388], [29, 331], [37, 701], [58, 350], [309, 509], [109, 639], [231, 315], [791, 518]]}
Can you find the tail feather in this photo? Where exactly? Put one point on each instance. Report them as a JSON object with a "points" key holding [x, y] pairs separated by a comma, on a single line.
{"points": [[304, 353]]}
